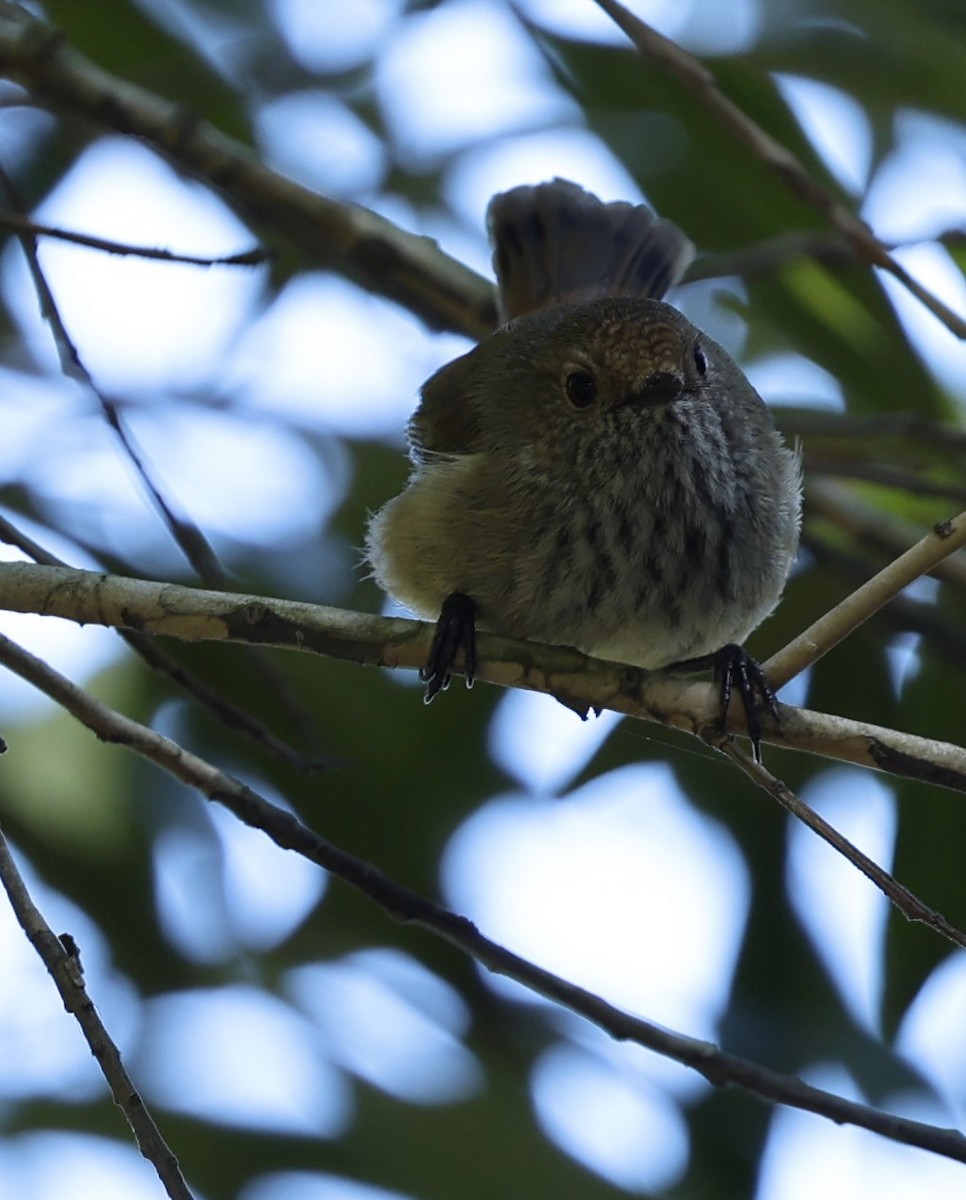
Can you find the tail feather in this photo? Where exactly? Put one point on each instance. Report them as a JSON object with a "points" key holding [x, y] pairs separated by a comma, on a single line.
{"points": [[558, 244]]}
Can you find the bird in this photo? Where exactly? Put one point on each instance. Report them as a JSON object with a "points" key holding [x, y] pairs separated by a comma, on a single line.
{"points": [[598, 472]]}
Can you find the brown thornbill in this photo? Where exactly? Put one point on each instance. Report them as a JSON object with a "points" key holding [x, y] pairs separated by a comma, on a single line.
{"points": [[598, 473]]}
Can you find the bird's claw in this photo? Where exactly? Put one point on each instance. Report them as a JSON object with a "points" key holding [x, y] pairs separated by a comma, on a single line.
{"points": [[736, 671], [455, 632]]}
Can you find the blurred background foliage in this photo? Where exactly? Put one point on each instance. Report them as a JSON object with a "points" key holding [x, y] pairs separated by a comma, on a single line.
{"points": [[292, 1041]]}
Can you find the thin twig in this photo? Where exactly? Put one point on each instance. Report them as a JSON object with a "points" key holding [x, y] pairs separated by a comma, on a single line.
{"points": [[65, 970], [18, 223], [871, 529], [902, 615], [698, 79], [581, 682], [231, 715], [883, 473], [771, 254], [189, 538], [863, 428], [836, 624], [907, 902], [187, 535], [287, 831], [364, 246]]}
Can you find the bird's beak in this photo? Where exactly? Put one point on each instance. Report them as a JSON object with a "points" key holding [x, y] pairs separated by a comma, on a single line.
{"points": [[660, 388]]}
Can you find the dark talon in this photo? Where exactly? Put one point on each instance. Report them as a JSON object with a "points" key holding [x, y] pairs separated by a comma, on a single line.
{"points": [[455, 631], [735, 670]]}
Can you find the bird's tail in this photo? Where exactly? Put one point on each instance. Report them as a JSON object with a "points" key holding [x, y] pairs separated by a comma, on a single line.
{"points": [[558, 244]]}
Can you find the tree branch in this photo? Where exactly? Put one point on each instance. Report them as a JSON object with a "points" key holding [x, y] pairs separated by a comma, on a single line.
{"points": [[65, 970], [772, 254], [720, 1068], [936, 624], [580, 682], [872, 529], [17, 223], [855, 609], [233, 716], [186, 534], [693, 75], [862, 430], [907, 902], [346, 237], [368, 249], [916, 483]]}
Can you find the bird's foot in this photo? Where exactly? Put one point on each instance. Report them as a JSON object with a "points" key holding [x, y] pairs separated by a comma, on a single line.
{"points": [[455, 631], [735, 671]]}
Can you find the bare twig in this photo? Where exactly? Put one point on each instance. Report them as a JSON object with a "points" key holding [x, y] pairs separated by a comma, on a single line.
{"points": [[186, 534], [367, 248], [771, 254], [21, 224], [869, 527], [364, 246], [941, 632], [836, 624], [581, 682], [232, 715], [698, 79], [287, 831], [907, 902], [916, 483], [861, 429], [66, 973]]}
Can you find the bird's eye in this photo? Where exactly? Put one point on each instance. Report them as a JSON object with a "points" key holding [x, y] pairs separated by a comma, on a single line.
{"points": [[700, 360], [581, 387]]}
